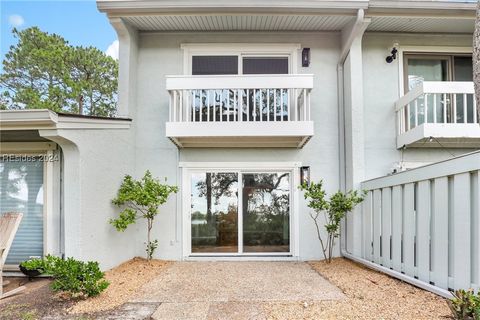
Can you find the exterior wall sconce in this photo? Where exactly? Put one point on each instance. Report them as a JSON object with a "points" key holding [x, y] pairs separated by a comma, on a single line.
{"points": [[393, 53], [305, 175], [306, 57]]}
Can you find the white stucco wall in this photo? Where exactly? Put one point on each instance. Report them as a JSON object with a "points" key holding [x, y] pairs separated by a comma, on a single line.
{"points": [[161, 55], [106, 155], [95, 162], [381, 90]]}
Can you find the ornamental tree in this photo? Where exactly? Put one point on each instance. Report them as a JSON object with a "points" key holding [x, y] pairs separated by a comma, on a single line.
{"points": [[141, 199], [334, 210]]}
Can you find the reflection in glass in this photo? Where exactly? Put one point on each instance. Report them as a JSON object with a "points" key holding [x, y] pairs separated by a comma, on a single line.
{"points": [[214, 214], [266, 212], [21, 190]]}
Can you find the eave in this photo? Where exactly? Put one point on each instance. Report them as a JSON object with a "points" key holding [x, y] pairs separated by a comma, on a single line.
{"points": [[129, 7], [36, 119]]}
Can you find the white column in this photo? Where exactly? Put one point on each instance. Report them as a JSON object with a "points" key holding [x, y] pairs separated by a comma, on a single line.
{"points": [[354, 139], [72, 209], [128, 52]]}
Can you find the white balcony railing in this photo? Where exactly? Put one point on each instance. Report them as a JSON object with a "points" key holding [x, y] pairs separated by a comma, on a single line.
{"points": [[239, 106], [255, 98], [437, 102], [439, 110]]}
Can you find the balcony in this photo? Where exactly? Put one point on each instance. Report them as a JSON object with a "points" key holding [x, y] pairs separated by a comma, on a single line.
{"points": [[240, 110], [438, 114]]}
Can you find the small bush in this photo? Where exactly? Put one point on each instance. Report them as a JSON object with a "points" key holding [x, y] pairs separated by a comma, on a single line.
{"points": [[78, 278], [465, 305]]}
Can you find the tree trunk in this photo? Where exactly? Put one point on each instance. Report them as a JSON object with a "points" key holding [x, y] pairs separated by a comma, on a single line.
{"points": [[476, 61], [80, 105], [149, 228], [208, 182]]}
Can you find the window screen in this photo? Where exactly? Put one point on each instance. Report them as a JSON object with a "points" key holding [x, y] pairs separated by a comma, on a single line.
{"points": [[206, 65], [462, 68], [265, 65], [21, 190]]}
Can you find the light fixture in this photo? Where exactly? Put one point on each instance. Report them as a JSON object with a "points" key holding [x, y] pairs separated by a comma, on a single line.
{"points": [[305, 175], [393, 53], [392, 56], [306, 57]]}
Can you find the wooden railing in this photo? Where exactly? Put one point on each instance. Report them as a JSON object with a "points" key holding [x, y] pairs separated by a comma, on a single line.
{"points": [[422, 225], [436, 102], [237, 98]]}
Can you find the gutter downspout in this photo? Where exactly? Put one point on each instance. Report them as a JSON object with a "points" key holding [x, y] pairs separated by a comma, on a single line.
{"points": [[348, 36]]}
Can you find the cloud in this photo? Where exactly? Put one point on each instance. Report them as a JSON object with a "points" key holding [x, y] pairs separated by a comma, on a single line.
{"points": [[16, 20], [112, 50]]}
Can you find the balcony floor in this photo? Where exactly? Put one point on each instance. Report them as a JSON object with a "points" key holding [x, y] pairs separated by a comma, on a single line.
{"points": [[449, 135], [282, 134]]}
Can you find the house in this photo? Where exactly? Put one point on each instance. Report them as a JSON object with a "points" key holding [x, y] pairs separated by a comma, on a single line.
{"points": [[229, 100]]}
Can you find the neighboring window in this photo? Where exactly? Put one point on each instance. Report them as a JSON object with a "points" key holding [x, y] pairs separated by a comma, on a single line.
{"points": [[450, 108], [21, 190], [431, 67], [265, 65], [208, 65]]}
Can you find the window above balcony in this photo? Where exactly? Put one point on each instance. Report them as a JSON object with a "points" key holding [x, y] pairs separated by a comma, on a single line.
{"points": [[438, 108]]}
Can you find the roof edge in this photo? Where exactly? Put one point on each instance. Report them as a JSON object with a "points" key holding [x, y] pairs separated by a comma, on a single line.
{"points": [[35, 119], [213, 6]]}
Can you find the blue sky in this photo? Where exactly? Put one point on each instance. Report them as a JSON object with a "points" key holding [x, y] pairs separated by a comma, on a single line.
{"points": [[79, 22]]}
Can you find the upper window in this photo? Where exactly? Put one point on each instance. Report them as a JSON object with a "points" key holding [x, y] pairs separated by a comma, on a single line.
{"points": [[219, 64], [207, 65], [265, 65], [433, 67]]}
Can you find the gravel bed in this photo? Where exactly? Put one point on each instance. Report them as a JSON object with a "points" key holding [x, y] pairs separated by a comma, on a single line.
{"points": [[370, 295]]}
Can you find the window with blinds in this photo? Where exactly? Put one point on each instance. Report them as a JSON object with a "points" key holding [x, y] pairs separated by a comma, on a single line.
{"points": [[21, 190]]}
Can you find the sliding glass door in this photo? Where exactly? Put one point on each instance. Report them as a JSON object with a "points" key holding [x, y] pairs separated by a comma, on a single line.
{"points": [[234, 213]]}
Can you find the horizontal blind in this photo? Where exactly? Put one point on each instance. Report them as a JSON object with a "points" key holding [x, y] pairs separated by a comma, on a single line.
{"points": [[21, 190]]}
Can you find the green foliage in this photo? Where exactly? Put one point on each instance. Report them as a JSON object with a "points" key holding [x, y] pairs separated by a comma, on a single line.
{"points": [[43, 71], [78, 278], [150, 249], [141, 199], [334, 210], [465, 305], [34, 264]]}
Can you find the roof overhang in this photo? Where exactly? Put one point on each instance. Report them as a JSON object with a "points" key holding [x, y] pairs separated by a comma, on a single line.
{"points": [[130, 7], [35, 119], [410, 16]]}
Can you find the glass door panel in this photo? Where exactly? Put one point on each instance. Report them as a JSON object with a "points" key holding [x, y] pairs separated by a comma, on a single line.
{"points": [[21, 190], [214, 212], [420, 69], [463, 71], [266, 212]]}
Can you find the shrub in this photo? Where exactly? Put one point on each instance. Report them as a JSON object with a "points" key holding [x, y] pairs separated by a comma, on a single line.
{"points": [[465, 305], [141, 199], [78, 278], [334, 210]]}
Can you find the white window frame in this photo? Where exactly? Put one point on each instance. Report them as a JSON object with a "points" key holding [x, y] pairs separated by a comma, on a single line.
{"points": [[241, 50], [423, 49], [51, 190], [188, 168]]}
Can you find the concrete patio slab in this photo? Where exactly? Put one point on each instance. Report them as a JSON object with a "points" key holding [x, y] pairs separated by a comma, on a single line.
{"points": [[181, 311], [238, 281]]}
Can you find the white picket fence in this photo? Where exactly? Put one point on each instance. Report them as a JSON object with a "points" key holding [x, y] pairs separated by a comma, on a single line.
{"points": [[422, 225]]}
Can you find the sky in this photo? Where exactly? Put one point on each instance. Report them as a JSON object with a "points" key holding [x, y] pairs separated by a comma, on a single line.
{"points": [[79, 22]]}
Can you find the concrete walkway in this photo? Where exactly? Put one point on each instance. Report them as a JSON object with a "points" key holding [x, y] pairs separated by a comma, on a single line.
{"points": [[232, 290]]}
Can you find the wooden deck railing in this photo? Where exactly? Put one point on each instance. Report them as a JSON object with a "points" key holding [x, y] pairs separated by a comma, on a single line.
{"points": [[423, 225]]}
